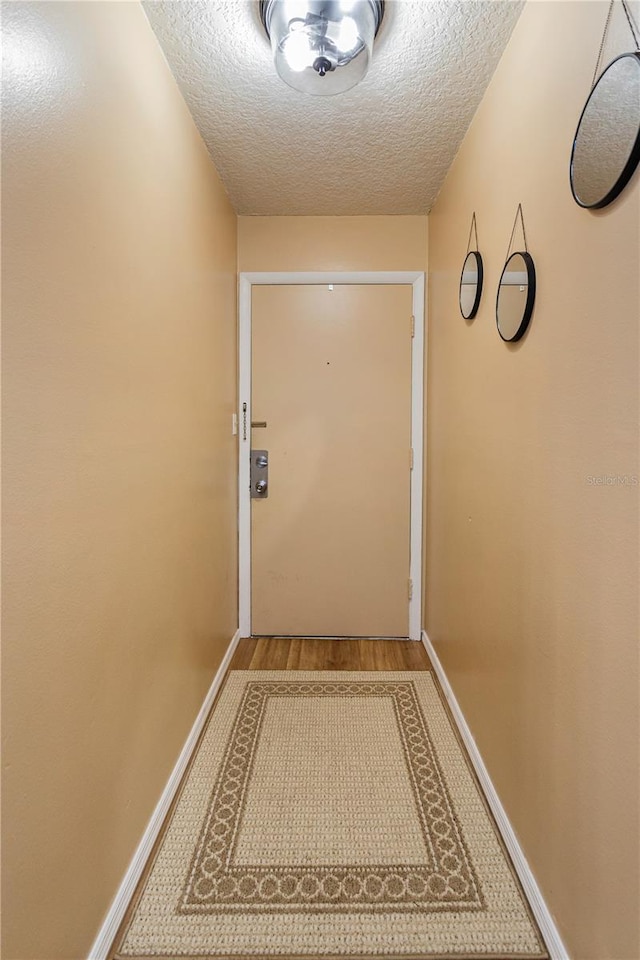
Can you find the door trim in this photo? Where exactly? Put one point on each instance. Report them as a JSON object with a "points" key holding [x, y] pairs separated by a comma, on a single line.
{"points": [[246, 281]]}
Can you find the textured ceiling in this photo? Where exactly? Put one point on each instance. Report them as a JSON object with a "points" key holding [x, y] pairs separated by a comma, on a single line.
{"points": [[382, 148]]}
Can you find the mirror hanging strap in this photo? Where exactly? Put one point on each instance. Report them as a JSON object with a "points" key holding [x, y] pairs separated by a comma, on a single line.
{"points": [[635, 33], [632, 27], [524, 232], [474, 229], [602, 43]]}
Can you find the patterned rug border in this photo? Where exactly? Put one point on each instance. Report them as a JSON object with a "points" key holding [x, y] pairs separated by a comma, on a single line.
{"points": [[326, 675]]}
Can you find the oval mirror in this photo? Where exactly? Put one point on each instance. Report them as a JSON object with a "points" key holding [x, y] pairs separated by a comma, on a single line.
{"points": [[516, 295], [471, 285], [606, 147]]}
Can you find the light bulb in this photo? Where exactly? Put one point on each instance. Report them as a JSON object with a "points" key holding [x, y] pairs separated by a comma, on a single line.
{"points": [[297, 51], [347, 34]]}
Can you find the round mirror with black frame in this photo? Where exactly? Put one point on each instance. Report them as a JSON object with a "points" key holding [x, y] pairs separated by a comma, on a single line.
{"points": [[471, 284], [472, 275], [606, 147], [516, 296]]}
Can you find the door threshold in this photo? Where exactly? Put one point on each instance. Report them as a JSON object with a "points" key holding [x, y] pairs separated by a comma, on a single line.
{"points": [[297, 636]]}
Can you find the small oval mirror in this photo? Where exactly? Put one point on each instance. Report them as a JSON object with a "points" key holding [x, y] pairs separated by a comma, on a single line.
{"points": [[471, 285], [516, 295], [606, 147]]}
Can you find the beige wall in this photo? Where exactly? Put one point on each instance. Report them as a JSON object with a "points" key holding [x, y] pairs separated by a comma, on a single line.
{"points": [[119, 502], [531, 568], [332, 243]]}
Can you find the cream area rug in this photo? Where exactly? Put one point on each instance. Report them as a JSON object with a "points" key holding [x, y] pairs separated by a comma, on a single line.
{"points": [[330, 815]]}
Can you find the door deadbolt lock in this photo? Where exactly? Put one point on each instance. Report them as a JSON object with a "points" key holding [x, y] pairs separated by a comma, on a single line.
{"points": [[259, 474]]}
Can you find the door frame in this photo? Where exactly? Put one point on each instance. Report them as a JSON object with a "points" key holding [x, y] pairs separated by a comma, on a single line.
{"points": [[416, 280]]}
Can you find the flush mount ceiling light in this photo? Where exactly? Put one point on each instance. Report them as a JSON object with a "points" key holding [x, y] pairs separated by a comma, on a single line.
{"points": [[321, 47]]}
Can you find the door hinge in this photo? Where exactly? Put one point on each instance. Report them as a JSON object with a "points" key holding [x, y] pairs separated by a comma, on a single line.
{"points": [[411, 458], [413, 327], [410, 585]]}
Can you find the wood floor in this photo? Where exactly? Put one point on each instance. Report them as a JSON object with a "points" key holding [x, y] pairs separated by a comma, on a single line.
{"points": [[286, 653]]}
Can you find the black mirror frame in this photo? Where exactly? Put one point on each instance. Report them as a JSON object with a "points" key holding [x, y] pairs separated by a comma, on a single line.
{"points": [[531, 295], [632, 161], [480, 268]]}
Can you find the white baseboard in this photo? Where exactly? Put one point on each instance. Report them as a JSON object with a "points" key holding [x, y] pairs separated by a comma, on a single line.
{"points": [[554, 944], [117, 910]]}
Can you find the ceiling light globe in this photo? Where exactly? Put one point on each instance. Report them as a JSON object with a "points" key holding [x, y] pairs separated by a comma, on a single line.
{"points": [[321, 47]]}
